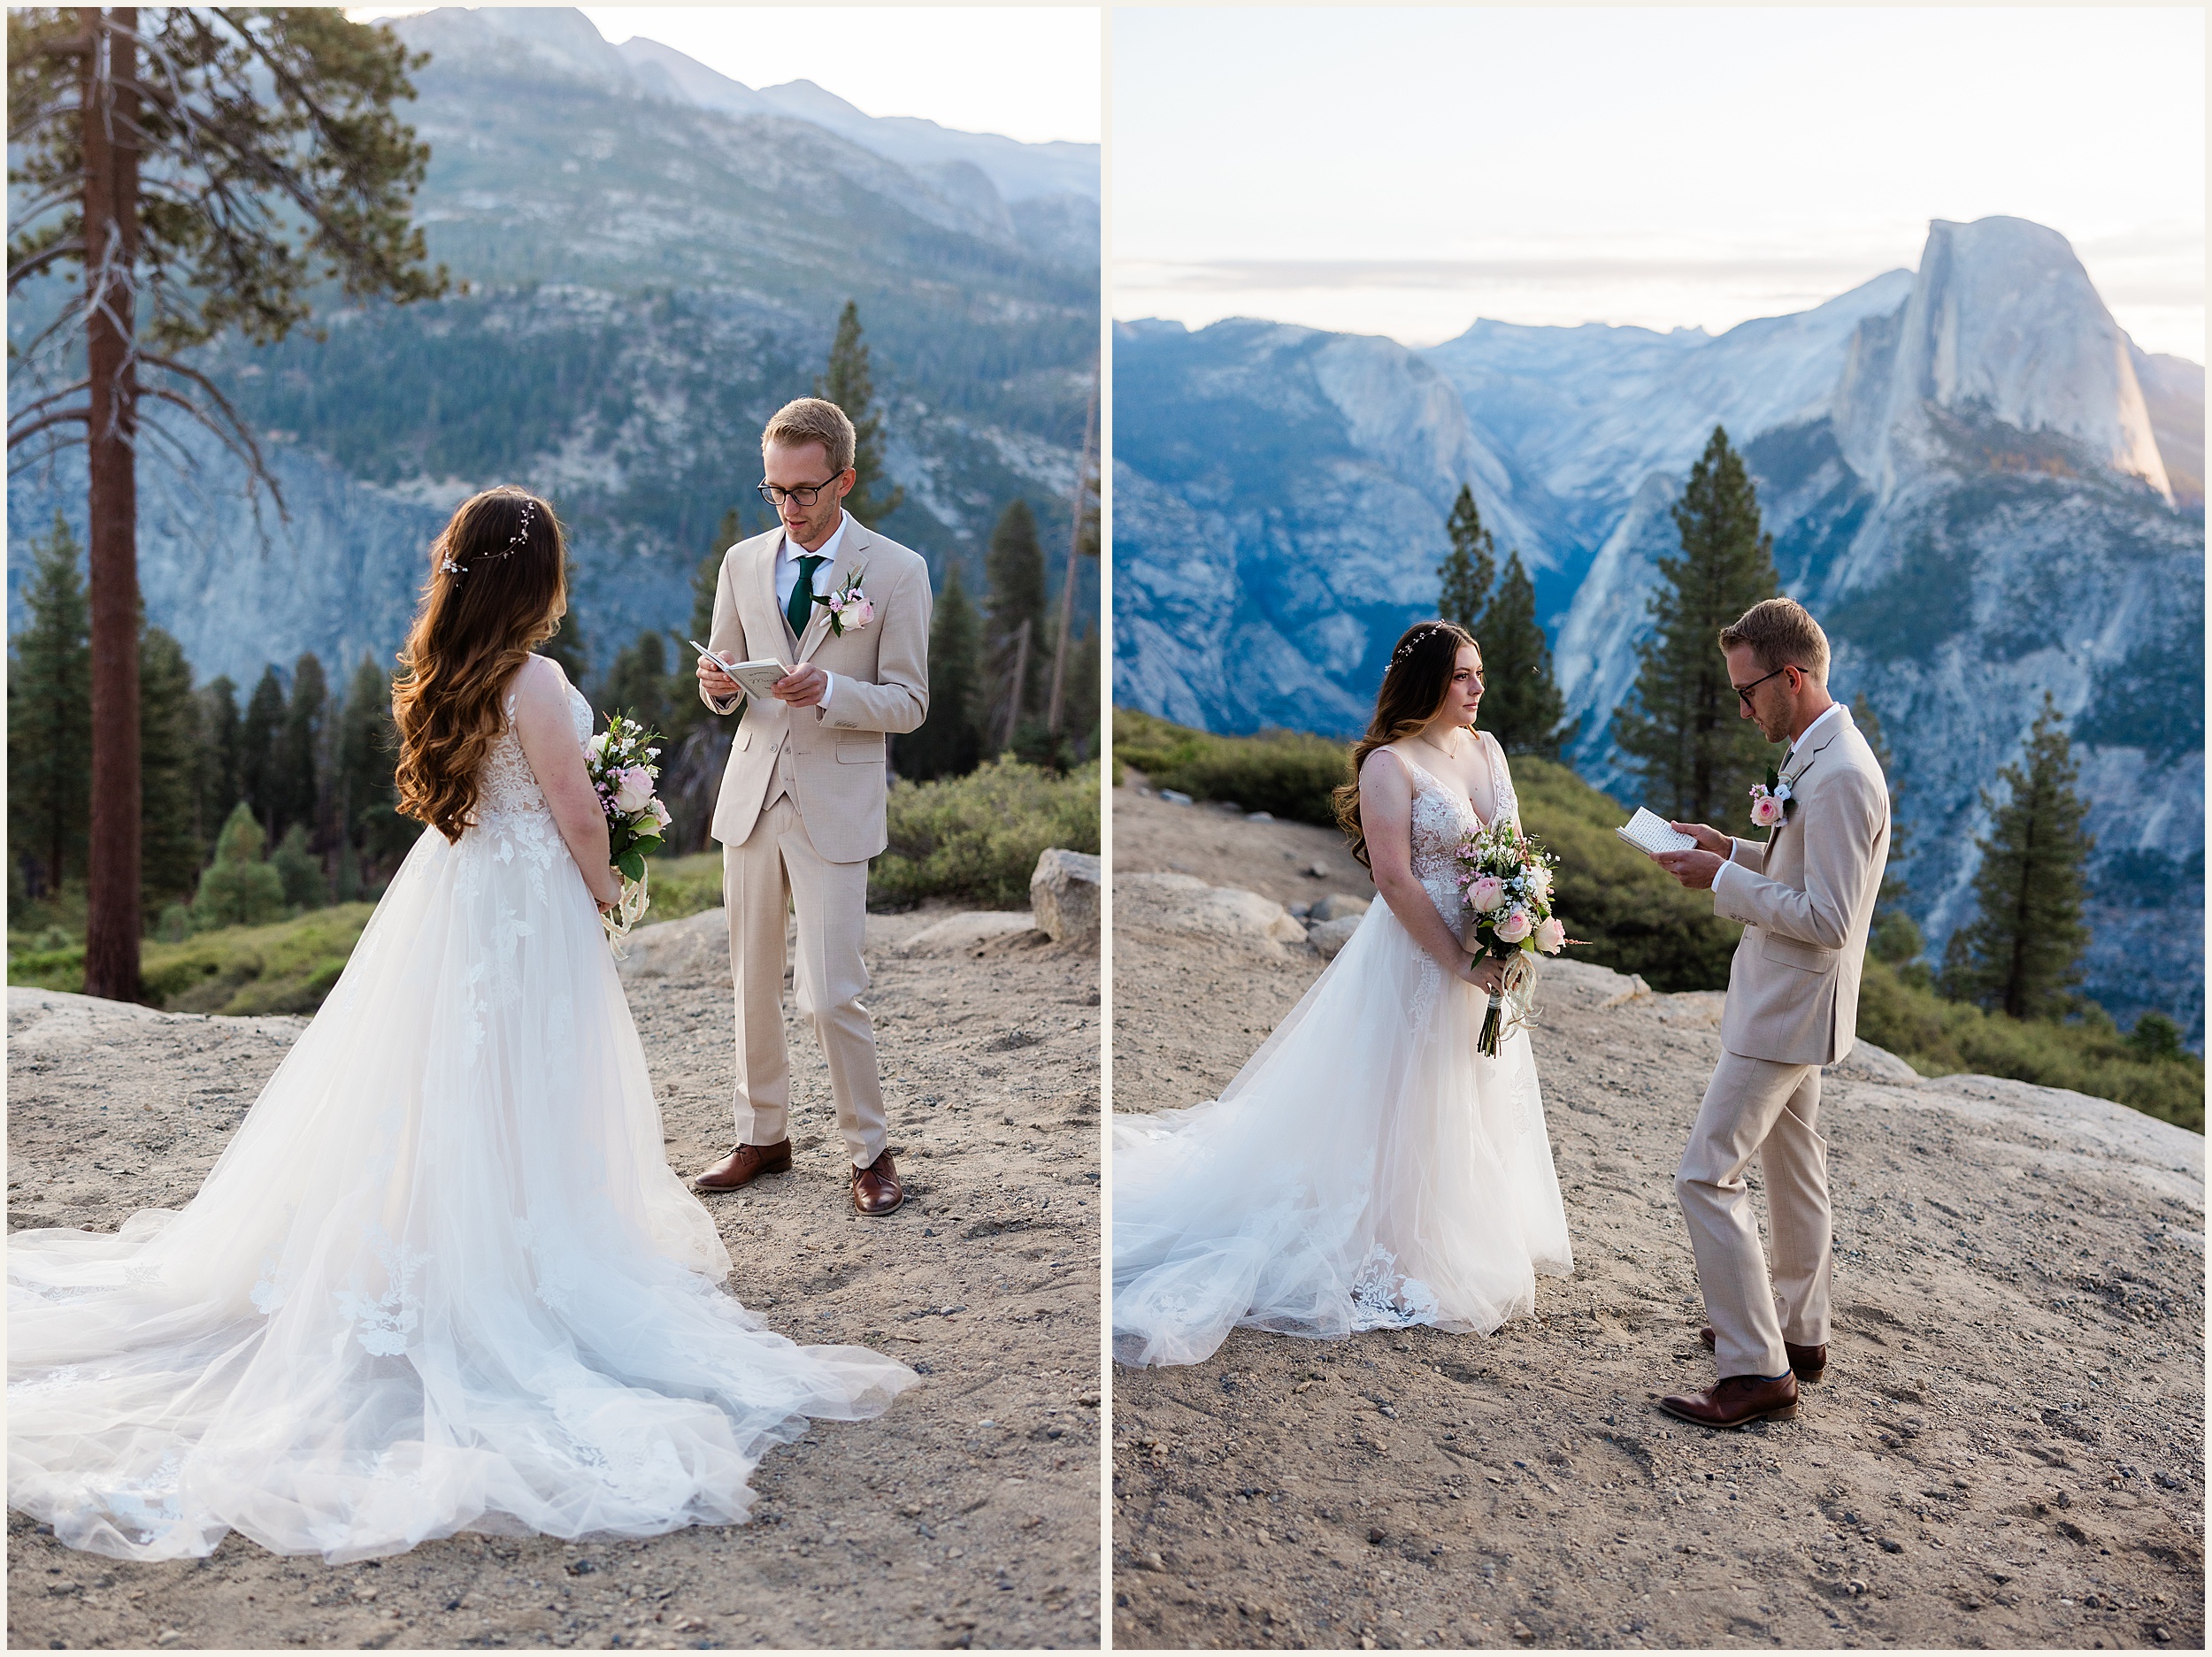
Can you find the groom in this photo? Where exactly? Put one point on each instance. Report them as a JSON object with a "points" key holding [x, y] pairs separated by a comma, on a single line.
{"points": [[1806, 895], [802, 807]]}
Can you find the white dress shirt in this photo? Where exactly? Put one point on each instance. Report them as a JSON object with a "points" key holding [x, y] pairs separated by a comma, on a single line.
{"points": [[1804, 736], [787, 556]]}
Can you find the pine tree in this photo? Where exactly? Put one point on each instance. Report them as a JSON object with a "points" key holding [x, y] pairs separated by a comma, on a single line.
{"points": [[366, 796], [637, 684], [169, 751], [949, 742], [238, 888], [1895, 936], [300, 763], [50, 717], [1521, 705], [2022, 950], [300, 871], [1464, 578], [1015, 570], [255, 159], [260, 740], [1683, 729], [685, 712], [219, 788], [851, 387]]}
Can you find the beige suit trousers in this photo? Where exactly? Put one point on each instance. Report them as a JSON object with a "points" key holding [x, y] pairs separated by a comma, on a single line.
{"points": [[775, 872], [1770, 1109]]}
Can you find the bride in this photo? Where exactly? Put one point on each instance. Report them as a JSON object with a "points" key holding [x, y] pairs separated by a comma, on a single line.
{"points": [[442, 1279], [1367, 1169]]}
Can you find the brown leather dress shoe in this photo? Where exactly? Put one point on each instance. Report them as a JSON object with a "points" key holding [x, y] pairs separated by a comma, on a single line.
{"points": [[744, 1165], [1809, 1363], [1737, 1402], [876, 1188]]}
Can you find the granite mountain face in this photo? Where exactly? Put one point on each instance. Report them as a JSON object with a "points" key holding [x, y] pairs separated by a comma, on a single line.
{"points": [[1973, 477], [655, 257]]}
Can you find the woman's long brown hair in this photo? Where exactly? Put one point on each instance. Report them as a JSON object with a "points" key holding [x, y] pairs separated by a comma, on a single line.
{"points": [[495, 589], [1414, 686]]}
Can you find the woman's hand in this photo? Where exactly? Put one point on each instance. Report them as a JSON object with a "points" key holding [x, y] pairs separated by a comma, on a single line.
{"points": [[1486, 972]]}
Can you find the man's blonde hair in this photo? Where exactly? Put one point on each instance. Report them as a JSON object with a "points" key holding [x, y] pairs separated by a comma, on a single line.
{"points": [[1782, 633], [805, 420]]}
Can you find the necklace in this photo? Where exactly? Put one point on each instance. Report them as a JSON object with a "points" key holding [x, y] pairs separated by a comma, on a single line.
{"points": [[1448, 754]]}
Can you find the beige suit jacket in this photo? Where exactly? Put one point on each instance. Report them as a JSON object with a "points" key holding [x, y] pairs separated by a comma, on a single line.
{"points": [[1793, 988], [837, 775]]}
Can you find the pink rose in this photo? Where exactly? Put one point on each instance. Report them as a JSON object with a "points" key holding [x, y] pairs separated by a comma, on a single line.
{"points": [[1486, 894], [1551, 935], [1766, 810], [1516, 927], [659, 811], [860, 612], [633, 788]]}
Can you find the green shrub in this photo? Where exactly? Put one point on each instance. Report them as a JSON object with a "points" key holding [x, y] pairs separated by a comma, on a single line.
{"points": [[2085, 1053], [1286, 773], [1633, 916], [284, 968], [239, 888], [976, 839], [683, 885]]}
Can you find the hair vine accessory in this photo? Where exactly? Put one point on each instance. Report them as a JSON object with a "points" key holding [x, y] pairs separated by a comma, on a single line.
{"points": [[1411, 642], [514, 542]]}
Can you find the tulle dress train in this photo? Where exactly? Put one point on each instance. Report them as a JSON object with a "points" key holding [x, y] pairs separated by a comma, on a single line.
{"points": [[1366, 1168], [442, 1277]]}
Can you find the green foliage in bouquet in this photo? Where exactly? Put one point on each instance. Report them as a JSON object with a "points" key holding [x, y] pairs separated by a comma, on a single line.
{"points": [[976, 839]]}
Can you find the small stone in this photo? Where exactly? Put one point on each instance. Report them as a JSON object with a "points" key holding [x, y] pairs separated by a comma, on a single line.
{"points": [[1174, 796], [1521, 1630], [1376, 1535], [1260, 817], [1888, 1544], [1064, 895], [1319, 871]]}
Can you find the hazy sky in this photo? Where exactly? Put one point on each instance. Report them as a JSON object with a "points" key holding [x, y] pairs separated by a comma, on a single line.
{"points": [[1404, 171], [1032, 73]]}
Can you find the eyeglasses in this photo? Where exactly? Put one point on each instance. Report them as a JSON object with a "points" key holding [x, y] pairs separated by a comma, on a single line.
{"points": [[805, 494], [1745, 690]]}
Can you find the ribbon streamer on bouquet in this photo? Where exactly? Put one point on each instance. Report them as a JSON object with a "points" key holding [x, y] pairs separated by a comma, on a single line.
{"points": [[1513, 1007], [625, 914]]}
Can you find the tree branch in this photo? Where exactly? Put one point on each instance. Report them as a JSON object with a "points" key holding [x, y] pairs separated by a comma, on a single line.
{"points": [[22, 272], [81, 417]]}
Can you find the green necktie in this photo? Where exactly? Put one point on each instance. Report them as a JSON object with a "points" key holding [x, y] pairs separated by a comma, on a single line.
{"points": [[801, 609]]}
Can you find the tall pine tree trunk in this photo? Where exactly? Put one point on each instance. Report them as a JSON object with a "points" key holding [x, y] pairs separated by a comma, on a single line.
{"points": [[1075, 552], [111, 230]]}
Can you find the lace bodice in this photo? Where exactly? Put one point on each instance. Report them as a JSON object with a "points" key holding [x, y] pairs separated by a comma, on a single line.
{"points": [[1442, 817], [508, 786]]}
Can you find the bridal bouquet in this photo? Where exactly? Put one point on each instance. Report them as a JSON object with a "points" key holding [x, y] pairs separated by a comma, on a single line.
{"points": [[1506, 879], [620, 761]]}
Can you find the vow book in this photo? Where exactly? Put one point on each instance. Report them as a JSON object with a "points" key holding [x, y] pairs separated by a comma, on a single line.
{"points": [[756, 677], [1647, 831]]}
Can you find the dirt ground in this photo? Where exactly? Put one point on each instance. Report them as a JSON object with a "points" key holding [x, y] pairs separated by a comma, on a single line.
{"points": [[965, 1516], [2007, 1449]]}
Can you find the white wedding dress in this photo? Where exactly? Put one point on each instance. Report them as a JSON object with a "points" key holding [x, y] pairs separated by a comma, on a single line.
{"points": [[1367, 1169], [440, 1279]]}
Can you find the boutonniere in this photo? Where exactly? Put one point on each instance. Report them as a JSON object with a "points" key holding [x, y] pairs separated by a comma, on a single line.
{"points": [[849, 609], [1771, 801]]}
